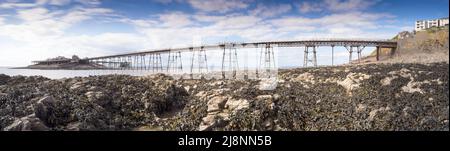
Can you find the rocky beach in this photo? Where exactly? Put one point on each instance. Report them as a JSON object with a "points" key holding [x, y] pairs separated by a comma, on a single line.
{"points": [[397, 96]]}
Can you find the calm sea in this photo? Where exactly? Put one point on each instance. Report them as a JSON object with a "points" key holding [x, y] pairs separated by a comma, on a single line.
{"points": [[58, 74]]}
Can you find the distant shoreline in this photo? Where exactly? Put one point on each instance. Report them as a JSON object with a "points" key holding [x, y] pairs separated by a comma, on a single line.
{"points": [[65, 66]]}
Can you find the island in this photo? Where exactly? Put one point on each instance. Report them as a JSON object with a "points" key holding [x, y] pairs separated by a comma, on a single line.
{"points": [[63, 63]]}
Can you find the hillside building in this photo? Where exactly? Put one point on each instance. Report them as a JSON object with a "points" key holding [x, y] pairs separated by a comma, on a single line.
{"points": [[425, 24]]}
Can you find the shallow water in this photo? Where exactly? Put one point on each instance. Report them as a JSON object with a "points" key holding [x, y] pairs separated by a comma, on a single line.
{"points": [[58, 74]]}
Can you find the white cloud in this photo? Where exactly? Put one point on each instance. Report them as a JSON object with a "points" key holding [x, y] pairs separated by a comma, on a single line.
{"points": [[40, 3], [34, 14], [81, 14], [59, 2], [221, 6], [208, 18], [21, 54], [42, 33], [141, 23], [2, 20], [258, 28], [237, 22], [89, 2], [175, 19], [352, 19], [307, 7], [16, 5], [335, 5], [348, 5], [270, 11]]}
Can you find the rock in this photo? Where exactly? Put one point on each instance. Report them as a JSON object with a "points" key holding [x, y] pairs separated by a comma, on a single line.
{"points": [[428, 122], [75, 126], [387, 80], [76, 85], [201, 94], [217, 83], [44, 107], [52, 112], [406, 111], [149, 128], [217, 103], [276, 97], [4, 79], [264, 97], [267, 124], [318, 101], [207, 122], [187, 88], [360, 108], [214, 119], [234, 105], [412, 87], [98, 97], [305, 77], [93, 88], [373, 113], [352, 81], [28, 123], [268, 84]]}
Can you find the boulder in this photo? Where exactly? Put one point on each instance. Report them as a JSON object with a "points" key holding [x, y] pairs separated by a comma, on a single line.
{"points": [[352, 81], [268, 84], [27, 123], [217, 103], [76, 85], [75, 126], [52, 112], [44, 107], [234, 105], [207, 123], [4, 79], [215, 119]]}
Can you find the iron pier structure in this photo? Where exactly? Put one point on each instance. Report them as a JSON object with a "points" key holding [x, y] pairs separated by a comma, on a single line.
{"points": [[152, 59]]}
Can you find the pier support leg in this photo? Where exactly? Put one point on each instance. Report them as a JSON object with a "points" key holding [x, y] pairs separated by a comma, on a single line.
{"points": [[199, 58], [350, 51], [229, 61], [305, 58], [393, 52], [332, 55], [160, 62], [269, 61], [359, 51], [174, 63], [378, 53], [314, 56]]}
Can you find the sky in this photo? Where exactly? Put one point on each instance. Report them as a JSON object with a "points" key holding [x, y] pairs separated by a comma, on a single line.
{"points": [[39, 29]]}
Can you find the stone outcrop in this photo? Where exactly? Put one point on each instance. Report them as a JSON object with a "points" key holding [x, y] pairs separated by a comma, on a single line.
{"points": [[366, 97]]}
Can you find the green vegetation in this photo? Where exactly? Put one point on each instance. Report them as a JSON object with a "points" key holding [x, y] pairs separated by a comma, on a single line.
{"points": [[436, 29]]}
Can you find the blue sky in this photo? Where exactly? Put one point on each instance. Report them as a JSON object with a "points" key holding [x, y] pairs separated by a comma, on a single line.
{"points": [[38, 29]]}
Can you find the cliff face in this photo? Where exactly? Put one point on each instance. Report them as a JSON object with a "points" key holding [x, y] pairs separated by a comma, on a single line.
{"points": [[427, 46], [365, 97]]}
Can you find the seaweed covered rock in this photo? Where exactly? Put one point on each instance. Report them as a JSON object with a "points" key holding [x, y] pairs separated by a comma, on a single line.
{"points": [[383, 97], [28, 123], [4, 78], [53, 112]]}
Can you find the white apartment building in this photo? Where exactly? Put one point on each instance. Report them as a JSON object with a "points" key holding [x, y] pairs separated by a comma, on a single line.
{"points": [[425, 24]]}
